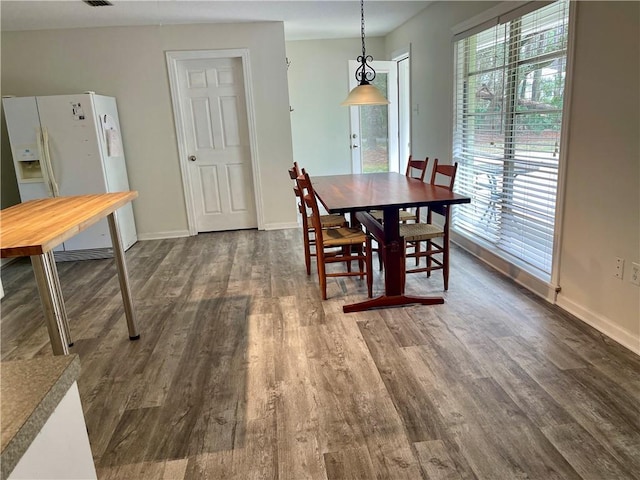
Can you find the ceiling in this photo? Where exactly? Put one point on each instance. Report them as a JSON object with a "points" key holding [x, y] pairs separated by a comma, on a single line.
{"points": [[303, 20]]}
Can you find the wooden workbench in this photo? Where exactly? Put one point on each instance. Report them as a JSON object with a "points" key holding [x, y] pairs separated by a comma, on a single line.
{"points": [[35, 227]]}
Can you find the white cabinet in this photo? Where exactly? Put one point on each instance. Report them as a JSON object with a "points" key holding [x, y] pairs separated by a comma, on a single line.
{"points": [[61, 450], [44, 435]]}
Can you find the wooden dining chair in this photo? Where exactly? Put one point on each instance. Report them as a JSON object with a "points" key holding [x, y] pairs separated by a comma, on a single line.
{"points": [[308, 236], [415, 169], [341, 244], [435, 237]]}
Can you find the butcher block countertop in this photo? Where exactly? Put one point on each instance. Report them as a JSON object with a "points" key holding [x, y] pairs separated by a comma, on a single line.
{"points": [[37, 226], [30, 391]]}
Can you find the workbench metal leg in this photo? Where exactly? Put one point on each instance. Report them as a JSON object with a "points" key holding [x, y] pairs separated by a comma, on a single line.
{"points": [[123, 277], [55, 314], [51, 259]]}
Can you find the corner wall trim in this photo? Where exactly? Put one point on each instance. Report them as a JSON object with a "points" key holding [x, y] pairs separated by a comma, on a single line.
{"points": [[602, 324], [532, 283], [548, 293]]}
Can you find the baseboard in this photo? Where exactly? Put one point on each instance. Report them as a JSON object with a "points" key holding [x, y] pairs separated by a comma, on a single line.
{"points": [[163, 235], [280, 226], [600, 323], [548, 292], [185, 233], [520, 276]]}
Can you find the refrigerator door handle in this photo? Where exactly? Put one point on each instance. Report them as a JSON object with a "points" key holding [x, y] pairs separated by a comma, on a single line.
{"points": [[49, 164], [44, 167]]}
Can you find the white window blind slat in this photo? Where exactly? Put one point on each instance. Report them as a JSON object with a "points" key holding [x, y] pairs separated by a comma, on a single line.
{"points": [[509, 88]]}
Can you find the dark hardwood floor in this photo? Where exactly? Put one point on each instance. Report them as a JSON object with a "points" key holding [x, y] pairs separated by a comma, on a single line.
{"points": [[243, 372]]}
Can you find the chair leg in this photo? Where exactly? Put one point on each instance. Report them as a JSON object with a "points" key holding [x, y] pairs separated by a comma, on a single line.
{"points": [[404, 267], [347, 251], [322, 276], [307, 250], [369, 263], [445, 264], [361, 262], [429, 247], [416, 249]]}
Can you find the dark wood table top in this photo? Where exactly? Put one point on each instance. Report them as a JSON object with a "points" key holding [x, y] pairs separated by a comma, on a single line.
{"points": [[358, 192]]}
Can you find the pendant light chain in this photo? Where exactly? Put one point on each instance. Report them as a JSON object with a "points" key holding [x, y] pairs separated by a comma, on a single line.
{"points": [[365, 72], [362, 25], [364, 93]]}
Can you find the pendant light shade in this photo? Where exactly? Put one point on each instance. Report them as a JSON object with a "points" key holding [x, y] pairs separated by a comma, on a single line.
{"points": [[364, 93]]}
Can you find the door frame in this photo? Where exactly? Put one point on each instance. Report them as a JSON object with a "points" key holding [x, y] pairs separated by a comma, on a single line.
{"points": [[404, 106], [173, 57]]}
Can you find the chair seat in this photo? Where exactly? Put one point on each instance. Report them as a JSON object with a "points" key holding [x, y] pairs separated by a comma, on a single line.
{"points": [[328, 221], [337, 237], [414, 232], [404, 215]]}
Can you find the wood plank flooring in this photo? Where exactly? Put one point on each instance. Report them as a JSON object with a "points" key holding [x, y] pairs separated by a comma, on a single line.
{"points": [[242, 372]]}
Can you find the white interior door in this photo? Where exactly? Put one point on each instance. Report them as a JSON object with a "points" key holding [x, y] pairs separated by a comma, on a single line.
{"points": [[213, 110], [374, 128]]}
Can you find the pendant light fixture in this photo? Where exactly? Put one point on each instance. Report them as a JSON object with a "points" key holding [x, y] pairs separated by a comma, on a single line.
{"points": [[364, 93]]}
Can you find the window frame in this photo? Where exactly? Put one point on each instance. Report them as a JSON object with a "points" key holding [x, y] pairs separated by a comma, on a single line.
{"points": [[547, 287]]}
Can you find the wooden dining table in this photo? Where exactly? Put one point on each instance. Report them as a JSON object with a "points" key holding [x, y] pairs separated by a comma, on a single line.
{"points": [[359, 193], [36, 227]]}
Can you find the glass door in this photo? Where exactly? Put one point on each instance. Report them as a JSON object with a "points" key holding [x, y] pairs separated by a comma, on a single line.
{"points": [[374, 128]]}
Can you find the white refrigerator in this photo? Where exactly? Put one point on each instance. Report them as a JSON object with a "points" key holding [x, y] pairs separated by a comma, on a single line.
{"points": [[65, 145]]}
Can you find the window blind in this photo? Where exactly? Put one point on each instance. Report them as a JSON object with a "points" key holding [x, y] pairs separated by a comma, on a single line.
{"points": [[509, 92]]}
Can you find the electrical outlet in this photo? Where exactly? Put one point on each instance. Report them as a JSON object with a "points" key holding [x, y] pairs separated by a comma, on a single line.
{"points": [[635, 274], [618, 268]]}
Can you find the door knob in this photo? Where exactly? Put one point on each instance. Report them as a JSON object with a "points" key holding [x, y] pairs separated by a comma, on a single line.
{"points": [[192, 158]]}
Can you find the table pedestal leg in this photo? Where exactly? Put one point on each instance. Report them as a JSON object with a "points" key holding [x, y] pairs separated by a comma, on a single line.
{"points": [[123, 277], [55, 314], [392, 243], [385, 301]]}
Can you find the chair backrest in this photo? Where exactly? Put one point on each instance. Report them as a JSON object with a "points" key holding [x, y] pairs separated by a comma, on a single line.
{"points": [[442, 175], [309, 197], [294, 173], [419, 165]]}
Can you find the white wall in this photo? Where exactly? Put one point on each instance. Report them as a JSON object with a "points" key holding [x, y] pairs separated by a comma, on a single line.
{"points": [[318, 83], [602, 204], [129, 63]]}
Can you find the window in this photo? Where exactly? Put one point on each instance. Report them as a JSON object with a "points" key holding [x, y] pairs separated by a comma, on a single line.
{"points": [[509, 92], [374, 131]]}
